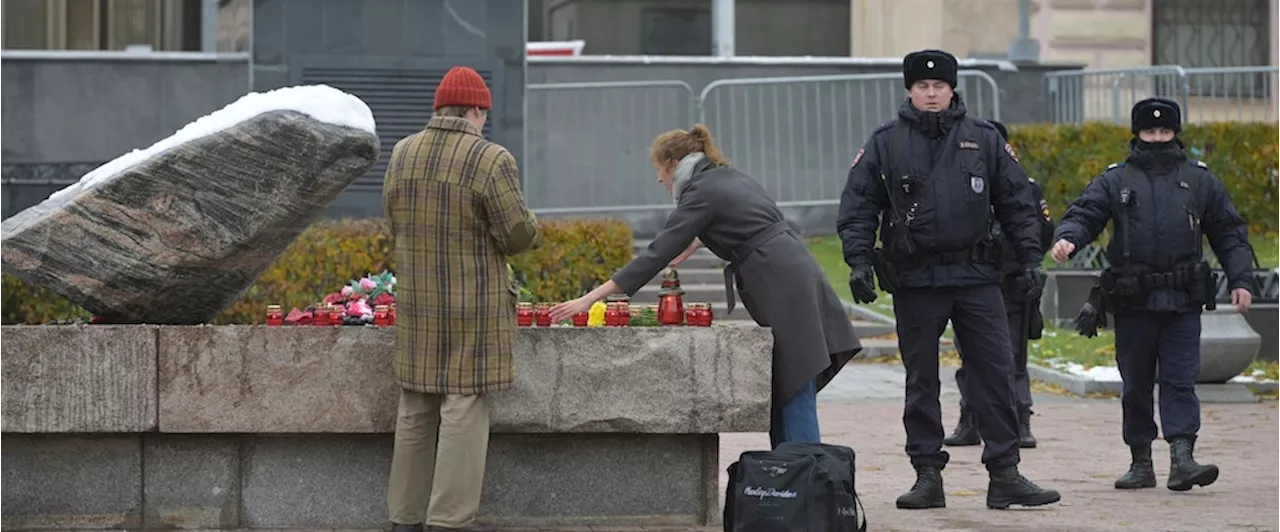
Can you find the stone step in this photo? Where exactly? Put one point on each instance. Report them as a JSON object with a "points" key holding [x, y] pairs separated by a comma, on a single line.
{"points": [[689, 275], [876, 347], [694, 293], [700, 259]]}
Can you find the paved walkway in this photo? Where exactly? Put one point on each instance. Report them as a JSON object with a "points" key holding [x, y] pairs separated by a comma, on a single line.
{"points": [[1080, 455]]}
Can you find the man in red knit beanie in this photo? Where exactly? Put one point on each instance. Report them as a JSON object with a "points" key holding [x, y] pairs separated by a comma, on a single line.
{"points": [[454, 204]]}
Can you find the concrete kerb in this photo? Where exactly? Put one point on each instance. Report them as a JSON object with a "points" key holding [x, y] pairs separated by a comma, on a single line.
{"points": [[1228, 392]]}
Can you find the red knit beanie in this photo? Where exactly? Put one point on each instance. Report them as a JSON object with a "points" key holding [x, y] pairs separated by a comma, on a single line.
{"points": [[463, 86]]}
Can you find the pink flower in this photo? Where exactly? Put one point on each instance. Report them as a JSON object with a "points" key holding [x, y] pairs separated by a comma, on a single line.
{"points": [[358, 307], [346, 291], [334, 298], [367, 285]]}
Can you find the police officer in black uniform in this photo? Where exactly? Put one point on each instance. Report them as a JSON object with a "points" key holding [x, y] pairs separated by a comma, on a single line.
{"points": [[940, 187], [1025, 323], [1158, 282]]}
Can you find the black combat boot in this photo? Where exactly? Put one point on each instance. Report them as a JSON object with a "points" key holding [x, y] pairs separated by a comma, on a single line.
{"points": [[1026, 440], [1142, 473], [926, 492], [1008, 487], [966, 432], [1184, 472]]}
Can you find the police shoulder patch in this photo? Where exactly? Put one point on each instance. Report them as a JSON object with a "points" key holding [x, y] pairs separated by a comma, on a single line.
{"points": [[1008, 148], [857, 157], [1044, 210]]}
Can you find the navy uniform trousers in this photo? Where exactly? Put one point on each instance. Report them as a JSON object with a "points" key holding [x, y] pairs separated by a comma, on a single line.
{"points": [[1018, 344], [977, 315], [1167, 344]]}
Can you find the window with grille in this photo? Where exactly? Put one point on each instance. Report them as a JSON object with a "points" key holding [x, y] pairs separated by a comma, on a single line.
{"points": [[164, 25], [675, 32], [1217, 34]]}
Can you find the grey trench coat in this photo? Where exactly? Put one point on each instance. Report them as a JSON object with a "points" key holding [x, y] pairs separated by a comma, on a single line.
{"points": [[778, 280]]}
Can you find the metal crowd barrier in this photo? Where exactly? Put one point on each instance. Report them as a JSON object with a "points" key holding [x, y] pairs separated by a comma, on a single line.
{"points": [[1205, 94], [798, 135], [587, 144]]}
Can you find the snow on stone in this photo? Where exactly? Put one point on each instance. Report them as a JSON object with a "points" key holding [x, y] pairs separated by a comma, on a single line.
{"points": [[321, 102], [1256, 376]]}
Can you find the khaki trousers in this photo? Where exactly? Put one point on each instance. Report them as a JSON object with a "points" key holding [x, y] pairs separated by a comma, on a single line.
{"points": [[437, 468]]}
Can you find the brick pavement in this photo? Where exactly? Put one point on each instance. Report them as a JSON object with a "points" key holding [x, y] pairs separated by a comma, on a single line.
{"points": [[1080, 455]]}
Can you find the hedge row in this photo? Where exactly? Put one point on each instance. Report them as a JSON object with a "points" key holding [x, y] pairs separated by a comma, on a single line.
{"points": [[1245, 156], [571, 257]]}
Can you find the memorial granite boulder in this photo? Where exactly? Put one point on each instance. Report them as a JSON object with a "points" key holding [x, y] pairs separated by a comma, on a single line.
{"points": [[173, 234]]}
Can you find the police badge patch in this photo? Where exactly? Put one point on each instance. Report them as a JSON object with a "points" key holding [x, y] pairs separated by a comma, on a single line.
{"points": [[977, 183], [1008, 148], [857, 157], [1044, 210]]}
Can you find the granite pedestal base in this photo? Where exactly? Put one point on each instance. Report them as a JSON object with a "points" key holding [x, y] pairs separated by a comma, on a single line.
{"points": [[165, 481], [157, 427]]}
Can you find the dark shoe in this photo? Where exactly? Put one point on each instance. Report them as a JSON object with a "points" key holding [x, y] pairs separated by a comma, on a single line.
{"points": [[1142, 473], [1008, 487], [926, 492], [1025, 439], [396, 527], [966, 432], [1184, 472], [473, 527]]}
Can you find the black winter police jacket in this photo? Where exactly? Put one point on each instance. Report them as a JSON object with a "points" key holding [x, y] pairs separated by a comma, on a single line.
{"points": [[962, 172], [1172, 202]]}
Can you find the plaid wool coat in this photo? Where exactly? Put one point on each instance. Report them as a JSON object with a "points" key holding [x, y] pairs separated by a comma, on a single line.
{"points": [[456, 212]]}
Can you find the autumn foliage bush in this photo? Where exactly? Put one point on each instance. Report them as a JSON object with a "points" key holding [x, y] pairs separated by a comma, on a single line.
{"points": [[1064, 158], [571, 256]]}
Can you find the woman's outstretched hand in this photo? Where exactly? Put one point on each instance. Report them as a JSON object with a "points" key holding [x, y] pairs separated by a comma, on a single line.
{"points": [[566, 310], [693, 246]]}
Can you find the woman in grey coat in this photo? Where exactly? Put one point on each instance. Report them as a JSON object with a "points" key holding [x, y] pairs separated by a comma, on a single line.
{"points": [[778, 279]]}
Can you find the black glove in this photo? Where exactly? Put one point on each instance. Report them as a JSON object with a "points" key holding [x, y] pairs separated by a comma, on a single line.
{"points": [[1088, 320], [1035, 279], [862, 284]]}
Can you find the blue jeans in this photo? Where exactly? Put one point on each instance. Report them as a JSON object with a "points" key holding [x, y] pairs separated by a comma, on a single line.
{"points": [[797, 421]]}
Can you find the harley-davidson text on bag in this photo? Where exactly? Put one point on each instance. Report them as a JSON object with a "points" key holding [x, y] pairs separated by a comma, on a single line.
{"points": [[798, 487]]}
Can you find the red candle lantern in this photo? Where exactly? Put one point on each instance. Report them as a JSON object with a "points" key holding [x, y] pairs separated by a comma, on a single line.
{"points": [[381, 316], [524, 314], [704, 311], [275, 317], [543, 315], [580, 319], [670, 299], [320, 315]]}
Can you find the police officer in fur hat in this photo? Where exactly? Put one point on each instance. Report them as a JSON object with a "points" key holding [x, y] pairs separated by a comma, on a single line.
{"points": [[1162, 206], [942, 189], [1025, 323]]}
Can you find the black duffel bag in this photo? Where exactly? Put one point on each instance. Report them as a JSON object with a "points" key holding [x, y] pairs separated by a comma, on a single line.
{"points": [[798, 487]]}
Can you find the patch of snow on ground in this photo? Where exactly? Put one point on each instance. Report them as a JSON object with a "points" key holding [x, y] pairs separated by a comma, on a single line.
{"points": [[1096, 373], [321, 102]]}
